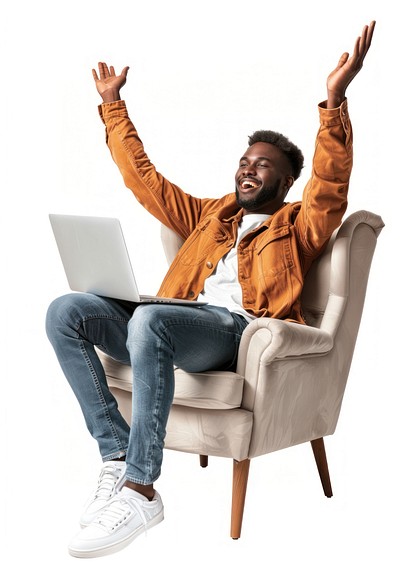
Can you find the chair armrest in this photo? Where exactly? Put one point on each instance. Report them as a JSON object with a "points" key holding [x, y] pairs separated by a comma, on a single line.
{"points": [[278, 339], [285, 367]]}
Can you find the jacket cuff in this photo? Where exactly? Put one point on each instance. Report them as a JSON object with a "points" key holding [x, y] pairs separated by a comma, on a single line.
{"points": [[109, 110], [333, 116]]}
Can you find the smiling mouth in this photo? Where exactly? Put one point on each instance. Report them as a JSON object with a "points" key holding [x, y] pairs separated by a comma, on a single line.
{"points": [[247, 184]]}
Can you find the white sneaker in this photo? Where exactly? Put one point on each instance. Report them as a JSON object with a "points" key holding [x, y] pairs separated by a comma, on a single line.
{"points": [[111, 479], [125, 517]]}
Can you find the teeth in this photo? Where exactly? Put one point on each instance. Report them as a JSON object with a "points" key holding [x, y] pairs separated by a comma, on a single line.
{"points": [[249, 184]]}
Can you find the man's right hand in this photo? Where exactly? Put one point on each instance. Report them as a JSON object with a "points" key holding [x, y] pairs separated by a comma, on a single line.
{"points": [[109, 84]]}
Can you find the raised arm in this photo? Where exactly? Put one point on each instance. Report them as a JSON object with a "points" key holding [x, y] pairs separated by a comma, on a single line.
{"points": [[109, 84], [347, 68], [164, 200]]}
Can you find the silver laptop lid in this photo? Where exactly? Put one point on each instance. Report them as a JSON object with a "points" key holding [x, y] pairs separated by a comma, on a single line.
{"points": [[94, 255]]}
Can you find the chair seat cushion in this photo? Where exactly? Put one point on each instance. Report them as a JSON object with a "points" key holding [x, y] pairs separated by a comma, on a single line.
{"points": [[212, 389]]}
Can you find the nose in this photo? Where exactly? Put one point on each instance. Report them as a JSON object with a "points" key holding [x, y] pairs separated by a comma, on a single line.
{"points": [[249, 170]]}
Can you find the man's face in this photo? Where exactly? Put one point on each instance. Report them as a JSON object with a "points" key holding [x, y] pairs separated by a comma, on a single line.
{"points": [[262, 179]]}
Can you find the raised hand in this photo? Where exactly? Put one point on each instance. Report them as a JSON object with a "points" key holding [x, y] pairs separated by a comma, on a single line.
{"points": [[109, 84], [347, 68]]}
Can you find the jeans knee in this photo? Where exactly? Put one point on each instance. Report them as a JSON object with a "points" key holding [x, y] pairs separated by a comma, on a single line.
{"points": [[141, 319], [144, 324], [60, 312]]}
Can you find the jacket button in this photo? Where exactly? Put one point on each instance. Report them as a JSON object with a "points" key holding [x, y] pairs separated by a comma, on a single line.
{"points": [[209, 265]]}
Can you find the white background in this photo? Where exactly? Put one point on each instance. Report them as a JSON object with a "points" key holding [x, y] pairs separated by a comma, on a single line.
{"points": [[203, 76]]}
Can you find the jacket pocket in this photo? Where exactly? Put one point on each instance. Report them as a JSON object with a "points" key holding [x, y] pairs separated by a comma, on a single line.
{"points": [[202, 242], [275, 252]]}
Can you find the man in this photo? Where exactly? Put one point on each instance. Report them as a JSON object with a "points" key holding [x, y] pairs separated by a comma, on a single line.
{"points": [[246, 254]]}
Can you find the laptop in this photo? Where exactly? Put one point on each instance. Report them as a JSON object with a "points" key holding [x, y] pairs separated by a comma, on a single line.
{"points": [[96, 260]]}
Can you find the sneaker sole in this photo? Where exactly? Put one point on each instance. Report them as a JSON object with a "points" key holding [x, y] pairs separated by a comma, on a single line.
{"points": [[118, 545]]}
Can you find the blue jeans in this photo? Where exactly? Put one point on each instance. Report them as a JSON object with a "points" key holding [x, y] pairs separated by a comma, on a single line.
{"points": [[150, 338]]}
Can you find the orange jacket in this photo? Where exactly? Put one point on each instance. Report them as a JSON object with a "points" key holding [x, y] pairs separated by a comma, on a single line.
{"points": [[272, 260]]}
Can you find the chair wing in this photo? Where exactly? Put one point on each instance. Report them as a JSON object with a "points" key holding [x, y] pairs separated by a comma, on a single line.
{"points": [[295, 375]]}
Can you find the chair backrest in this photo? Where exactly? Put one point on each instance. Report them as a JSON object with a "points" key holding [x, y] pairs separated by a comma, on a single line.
{"points": [[336, 279], [171, 241]]}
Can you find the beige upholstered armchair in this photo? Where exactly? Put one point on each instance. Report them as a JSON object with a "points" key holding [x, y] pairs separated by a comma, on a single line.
{"points": [[290, 379]]}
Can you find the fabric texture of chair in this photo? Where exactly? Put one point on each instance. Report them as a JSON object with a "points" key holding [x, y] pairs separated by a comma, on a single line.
{"points": [[290, 378]]}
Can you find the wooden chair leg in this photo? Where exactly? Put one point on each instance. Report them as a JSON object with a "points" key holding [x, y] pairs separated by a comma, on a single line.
{"points": [[239, 486], [322, 465], [203, 460]]}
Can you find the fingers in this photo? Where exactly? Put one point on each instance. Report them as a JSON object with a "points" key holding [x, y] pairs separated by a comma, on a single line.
{"points": [[363, 42], [124, 71], [106, 72], [361, 46], [366, 38], [370, 33], [343, 59]]}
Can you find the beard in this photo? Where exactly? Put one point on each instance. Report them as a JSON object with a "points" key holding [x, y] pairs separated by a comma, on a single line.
{"points": [[266, 194]]}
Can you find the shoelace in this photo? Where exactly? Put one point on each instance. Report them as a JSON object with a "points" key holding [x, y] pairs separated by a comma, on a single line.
{"points": [[108, 479], [118, 511]]}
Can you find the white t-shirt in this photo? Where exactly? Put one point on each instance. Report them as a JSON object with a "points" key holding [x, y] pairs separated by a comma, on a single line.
{"points": [[222, 288]]}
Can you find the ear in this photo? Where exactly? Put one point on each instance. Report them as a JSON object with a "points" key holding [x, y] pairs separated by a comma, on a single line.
{"points": [[289, 182]]}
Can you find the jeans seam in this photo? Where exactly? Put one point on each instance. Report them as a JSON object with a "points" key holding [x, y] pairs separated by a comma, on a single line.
{"points": [[100, 393], [203, 325], [156, 415], [85, 319]]}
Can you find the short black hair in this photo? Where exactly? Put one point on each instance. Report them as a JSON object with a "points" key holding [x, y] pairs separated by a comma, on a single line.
{"points": [[292, 152]]}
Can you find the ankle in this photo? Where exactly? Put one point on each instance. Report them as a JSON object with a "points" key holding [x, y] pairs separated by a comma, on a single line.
{"points": [[146, 490], [119, 458]]}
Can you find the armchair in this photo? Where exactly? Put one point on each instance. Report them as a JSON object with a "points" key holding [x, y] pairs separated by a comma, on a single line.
{"points": [[290, 379]]}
